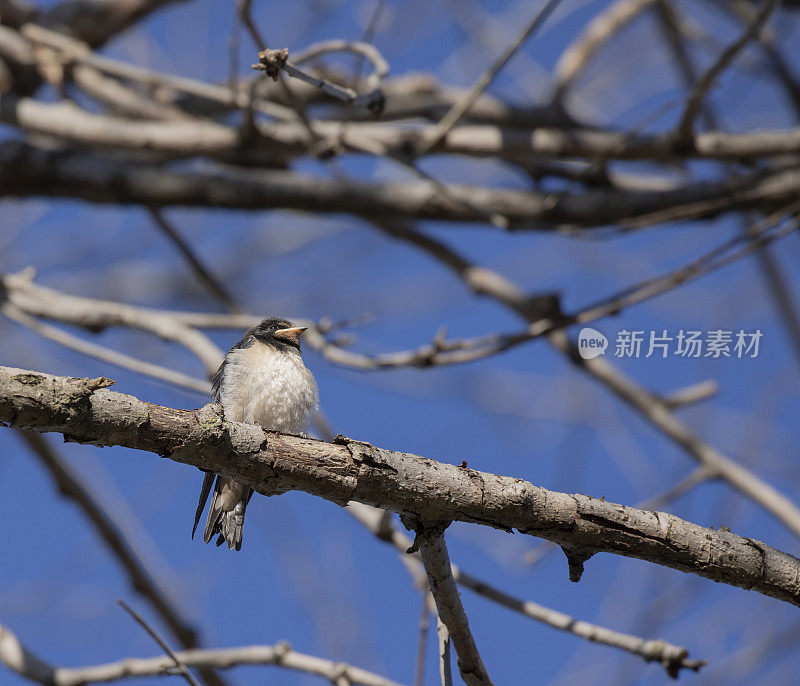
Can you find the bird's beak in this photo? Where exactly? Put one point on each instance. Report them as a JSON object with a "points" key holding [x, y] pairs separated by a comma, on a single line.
{"points": [[291, 335]]}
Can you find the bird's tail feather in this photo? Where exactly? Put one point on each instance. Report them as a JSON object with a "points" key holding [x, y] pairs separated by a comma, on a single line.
{"points": [[226, 512], [208, 480]]}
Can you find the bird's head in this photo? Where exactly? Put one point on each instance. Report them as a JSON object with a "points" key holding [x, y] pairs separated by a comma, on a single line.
{"points": [[278, 332]]}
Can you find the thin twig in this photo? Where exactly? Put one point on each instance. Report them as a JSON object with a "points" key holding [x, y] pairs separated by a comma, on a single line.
{"points": [[445, 663], [603, 27], [272, 62], [424, 625], [161, 642], [107, 355], [691, 395], [709, 78], [212, 283], [19, 659], [460, 108]]}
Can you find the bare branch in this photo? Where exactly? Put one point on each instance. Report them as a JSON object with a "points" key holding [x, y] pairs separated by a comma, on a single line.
{"points": [[433, 550], [600, 31], [90, 313], [161, 642], [97, 23], [74, 51], [28, 171], [459, 108], [649, 405], [445, 664], [204, 275], [672, 657], [273, 463], [709, 78], [544, 321], [100, 352], [691, 394], [96, 315], [272, 62], [20, 660], [140, 574]]}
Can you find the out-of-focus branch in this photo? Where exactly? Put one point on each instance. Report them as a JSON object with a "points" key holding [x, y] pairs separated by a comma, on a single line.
{"points": [[97, 22], [706, 82], [121, 99], [140, 575], [422, 641], [433, 551], [27, 171], [425, 490], [770, 267], [460, 108], [180, 667], [672, 657], [97, 315], [533, 307], [14, 13], [445, 664], [415, 95], [204, 275], [18, 658], [781, 67], [691, 394], [648, 404], [74, 52], [100, 352], [272, 62], [601, 29]]}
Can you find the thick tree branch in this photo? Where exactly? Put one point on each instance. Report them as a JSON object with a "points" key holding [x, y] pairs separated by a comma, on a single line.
{"points": [[670, 656], [97, 314], [348, 470]]}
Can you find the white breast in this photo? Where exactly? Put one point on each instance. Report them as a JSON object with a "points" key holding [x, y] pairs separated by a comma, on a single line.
{"points": [[273, 388]]}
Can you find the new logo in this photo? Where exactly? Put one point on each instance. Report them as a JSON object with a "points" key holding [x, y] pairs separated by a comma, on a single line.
{"points": [[591, 343]]}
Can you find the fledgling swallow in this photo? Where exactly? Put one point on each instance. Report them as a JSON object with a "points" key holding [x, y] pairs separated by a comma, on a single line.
{"points": [[263, 381]]}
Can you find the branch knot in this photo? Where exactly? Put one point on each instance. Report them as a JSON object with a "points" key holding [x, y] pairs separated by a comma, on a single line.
{"points": [[271, 62]]}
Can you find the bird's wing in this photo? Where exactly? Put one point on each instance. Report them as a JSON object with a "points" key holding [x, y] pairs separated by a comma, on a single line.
{"points": [[208, 480], [216, 381]]}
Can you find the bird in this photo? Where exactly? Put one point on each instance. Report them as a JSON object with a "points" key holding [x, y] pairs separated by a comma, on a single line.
{"points": [[262, 380]]}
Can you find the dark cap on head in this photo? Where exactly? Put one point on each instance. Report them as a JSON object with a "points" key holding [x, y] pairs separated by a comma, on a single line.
{"points": [[279, 332]]}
